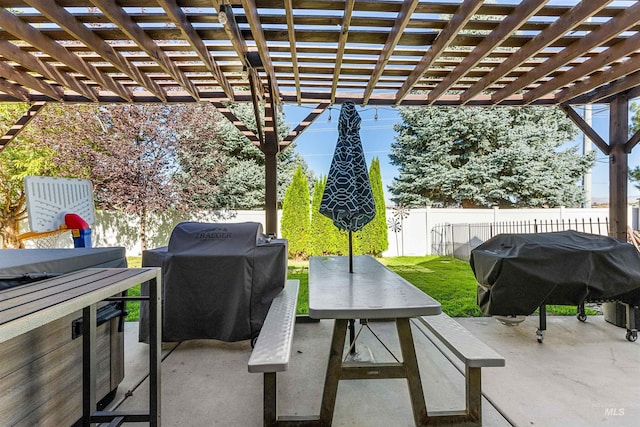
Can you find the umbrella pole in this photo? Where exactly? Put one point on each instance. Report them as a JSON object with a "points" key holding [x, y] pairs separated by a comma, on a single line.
{"points": [[352, 322], [350, 252]]}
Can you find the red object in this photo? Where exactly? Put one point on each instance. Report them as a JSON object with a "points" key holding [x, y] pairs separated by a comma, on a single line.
{"points": [[75, 222]]}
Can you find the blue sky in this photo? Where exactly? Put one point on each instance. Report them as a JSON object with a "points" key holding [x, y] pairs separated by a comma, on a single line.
{"points": [[317, 142]]}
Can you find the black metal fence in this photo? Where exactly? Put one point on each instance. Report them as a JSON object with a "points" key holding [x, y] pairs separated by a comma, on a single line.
{"points": [[458, 240]]}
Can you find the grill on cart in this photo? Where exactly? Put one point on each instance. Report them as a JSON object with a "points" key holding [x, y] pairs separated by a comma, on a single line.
{"points": [[519, 273], [218, 281]]}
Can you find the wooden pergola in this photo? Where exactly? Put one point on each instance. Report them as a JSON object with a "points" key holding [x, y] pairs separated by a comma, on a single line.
{"points": [[375, 52]]}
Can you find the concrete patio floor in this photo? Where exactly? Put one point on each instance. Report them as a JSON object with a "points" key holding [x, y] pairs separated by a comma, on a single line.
{"points": [[584, 374]]}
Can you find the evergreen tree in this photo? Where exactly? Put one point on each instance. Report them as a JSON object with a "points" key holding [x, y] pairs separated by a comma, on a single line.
{"points": [[295, 220], [482, 157], [322, 234], [242, 187], [373, 237]]}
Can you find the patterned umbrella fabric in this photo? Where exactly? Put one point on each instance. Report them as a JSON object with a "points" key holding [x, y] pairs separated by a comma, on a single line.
{"points": [[347, 198]]}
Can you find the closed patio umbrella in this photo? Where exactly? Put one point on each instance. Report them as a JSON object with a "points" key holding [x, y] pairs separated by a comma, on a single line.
{"points": [[347, 198]]}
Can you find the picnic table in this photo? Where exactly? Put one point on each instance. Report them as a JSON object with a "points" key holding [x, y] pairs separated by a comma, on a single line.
{"points": [[371, 292]]}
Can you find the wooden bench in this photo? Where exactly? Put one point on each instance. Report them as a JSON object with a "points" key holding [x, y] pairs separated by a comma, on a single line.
{"points": [[272, 350], [443, 331]]}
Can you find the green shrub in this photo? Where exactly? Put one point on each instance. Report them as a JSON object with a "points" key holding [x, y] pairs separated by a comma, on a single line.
{"points": [[295, 221]]}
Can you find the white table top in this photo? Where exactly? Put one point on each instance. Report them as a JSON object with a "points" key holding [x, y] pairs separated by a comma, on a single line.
{"points": [[372, 291]]}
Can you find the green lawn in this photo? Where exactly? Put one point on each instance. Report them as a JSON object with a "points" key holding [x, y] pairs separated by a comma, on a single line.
{"points": [[448, 280], [133, 307]]}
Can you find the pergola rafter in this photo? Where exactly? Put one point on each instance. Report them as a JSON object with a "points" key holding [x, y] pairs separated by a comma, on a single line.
{"points": [[394, 37], [444, 39], [32, 63], [7, 72], [342, 42], [13, 24], [605, 32], [323, 52], [509, 25], [69, 23], [566, 22], [179, 19]]}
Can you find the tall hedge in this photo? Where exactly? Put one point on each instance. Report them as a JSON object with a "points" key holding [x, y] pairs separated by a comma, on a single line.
{"points": [[322, 235], [295, 222], [373, 238]]}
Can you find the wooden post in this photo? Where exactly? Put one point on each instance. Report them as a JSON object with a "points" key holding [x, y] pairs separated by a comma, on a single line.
{"points": [[618, 167], [271, 191], [270, 148]]}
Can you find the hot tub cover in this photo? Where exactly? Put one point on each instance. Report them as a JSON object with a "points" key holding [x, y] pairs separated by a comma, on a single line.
{"points": [[218, 281], [517, 273], [22, 266]]}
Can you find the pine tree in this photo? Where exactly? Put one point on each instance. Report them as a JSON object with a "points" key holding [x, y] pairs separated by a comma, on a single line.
{"points": [[373, 238], [483, 157], [295, 222]]}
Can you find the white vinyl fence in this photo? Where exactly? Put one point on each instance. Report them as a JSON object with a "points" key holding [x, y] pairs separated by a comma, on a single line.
{"points": [[414, 232]]}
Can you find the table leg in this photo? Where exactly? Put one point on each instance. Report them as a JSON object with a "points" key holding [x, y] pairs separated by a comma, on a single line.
{"points": [[155, 351], [89, 320], [334, 369], [410, 363]]}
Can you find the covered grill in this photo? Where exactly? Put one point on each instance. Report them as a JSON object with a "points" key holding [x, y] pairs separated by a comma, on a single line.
{"points": [[517, 273], [218, 281]]}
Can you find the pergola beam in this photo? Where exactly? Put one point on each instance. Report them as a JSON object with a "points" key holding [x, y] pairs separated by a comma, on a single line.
{"points": [[253, 18], [442, 41], [404, 16], [632, 142], [14, 25], [304, 124], [566, 22], [605, 32], [255, 101], [291, 29], [240, 46], [507, 26], [342, 42], [239, 124], [586, 128], [33, 110], [180, 20], [28, 61]]}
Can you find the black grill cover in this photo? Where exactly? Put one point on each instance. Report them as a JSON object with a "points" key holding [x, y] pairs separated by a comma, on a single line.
{"points": [[517, 273], [218, 281]]}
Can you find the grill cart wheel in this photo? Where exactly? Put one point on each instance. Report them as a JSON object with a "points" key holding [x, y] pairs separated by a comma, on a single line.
{"points": [[632, 336]]}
